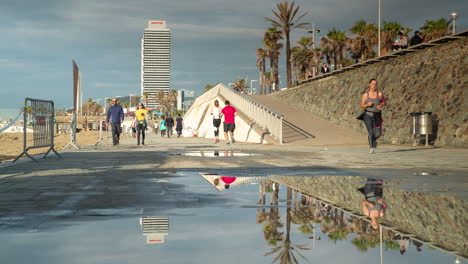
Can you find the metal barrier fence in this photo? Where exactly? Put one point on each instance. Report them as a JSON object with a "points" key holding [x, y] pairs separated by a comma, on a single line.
{"points": [[264, 116], [39, 115]]}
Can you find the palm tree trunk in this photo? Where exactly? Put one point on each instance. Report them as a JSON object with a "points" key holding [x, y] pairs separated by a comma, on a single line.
{"points": [[288, 213], [272, 70], [288, 57]]}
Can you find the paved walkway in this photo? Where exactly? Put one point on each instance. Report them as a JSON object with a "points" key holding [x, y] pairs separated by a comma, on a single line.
{"points": [[301, 128], [116, 177]]}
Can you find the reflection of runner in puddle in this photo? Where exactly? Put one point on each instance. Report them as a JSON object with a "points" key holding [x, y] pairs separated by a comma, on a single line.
{"points": [[373, 205], [226, 180]]}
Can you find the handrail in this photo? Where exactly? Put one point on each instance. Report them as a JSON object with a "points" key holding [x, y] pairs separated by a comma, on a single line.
{"points": [[415, 48], [265, 117], [248, 98]]}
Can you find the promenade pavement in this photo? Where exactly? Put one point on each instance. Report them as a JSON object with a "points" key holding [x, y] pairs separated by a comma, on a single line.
{"points": [[130, 176], [302, 128]]}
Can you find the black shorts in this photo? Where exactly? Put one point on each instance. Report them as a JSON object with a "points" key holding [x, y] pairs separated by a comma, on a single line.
{"points": [[216, 122], [229, 127]]}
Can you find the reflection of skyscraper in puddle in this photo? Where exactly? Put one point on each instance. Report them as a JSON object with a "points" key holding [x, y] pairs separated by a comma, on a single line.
{"points": [[155, 228]]}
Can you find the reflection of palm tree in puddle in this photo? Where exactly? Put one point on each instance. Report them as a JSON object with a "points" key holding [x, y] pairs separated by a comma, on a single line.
{"points": [[270, 229], [286, 253]]}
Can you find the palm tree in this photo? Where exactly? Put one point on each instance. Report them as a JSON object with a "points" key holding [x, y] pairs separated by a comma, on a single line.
{"points": [[261, 65], [270, 41], [208, 87], [145, 97], [336, 41], [286, 20], [301, 60], [364, 41], [434, 29], [267, 82], [327, 54], [240, 85], [172, 99], [161, 99], [89, 106], [389, 32], [286, 250]]}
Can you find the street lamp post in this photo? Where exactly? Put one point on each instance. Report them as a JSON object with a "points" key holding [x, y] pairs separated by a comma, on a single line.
{"points": [[100, 120], [454, 18], [251, 87], [378, 51], [313, 31], [130, 103]]}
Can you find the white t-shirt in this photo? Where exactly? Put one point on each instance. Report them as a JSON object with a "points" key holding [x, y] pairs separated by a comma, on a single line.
{"points": [[216, 112]]}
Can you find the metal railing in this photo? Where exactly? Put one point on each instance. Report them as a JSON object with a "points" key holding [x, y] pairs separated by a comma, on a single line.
{"points": [[39, 115], [268, 119], [383, 58], [262, 115]]}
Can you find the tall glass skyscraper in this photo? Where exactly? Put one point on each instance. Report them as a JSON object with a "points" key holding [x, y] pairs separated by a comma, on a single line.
{"points": [[155, 61]]}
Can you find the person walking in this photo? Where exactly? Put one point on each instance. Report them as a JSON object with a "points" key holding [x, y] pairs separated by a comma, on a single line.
{"points": [[216, 113], [141, 123], [115, 115], [373, 205], [156, 128], [372, 101], [229, 114], [163, 127], [169, 125], [179, 125], [134, 127]]}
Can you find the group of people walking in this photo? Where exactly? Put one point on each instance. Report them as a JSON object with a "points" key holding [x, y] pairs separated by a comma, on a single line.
{"points": [[229, 124], [372, 102], [166, 126], [115, 118]]}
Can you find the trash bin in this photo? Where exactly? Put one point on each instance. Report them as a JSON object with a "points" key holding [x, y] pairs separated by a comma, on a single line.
{"points": [[425, 123], [414, 127], [421, 124]]}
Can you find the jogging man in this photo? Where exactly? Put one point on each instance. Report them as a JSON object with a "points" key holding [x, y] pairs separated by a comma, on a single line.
{"points": [[229, 114], [116, 116]]}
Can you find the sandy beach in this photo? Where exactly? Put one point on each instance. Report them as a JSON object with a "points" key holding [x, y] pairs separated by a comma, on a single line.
{"points": [[12, 143]]}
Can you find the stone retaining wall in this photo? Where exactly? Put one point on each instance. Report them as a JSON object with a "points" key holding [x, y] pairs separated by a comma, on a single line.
{"points": [[438, 218], [433, 80]]}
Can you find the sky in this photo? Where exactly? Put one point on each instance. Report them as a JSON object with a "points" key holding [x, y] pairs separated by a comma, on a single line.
{"points": [[212, 41]]}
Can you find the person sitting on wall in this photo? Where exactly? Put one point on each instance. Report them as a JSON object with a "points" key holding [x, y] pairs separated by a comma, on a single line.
{"points": [[308, 75], [416, 39], [401, 42], [325, 68]]}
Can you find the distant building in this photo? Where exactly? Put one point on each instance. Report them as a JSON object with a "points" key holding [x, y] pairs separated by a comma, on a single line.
{"points": [[155, 60], [189, 98], [180, 99]]}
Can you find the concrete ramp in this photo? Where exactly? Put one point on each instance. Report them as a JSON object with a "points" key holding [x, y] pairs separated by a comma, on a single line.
{"points": [[303, 128], [199, 121]]}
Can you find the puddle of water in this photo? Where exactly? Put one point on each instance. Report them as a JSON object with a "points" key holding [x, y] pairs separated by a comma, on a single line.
{"points": [[215, 153], [258, 220]]}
